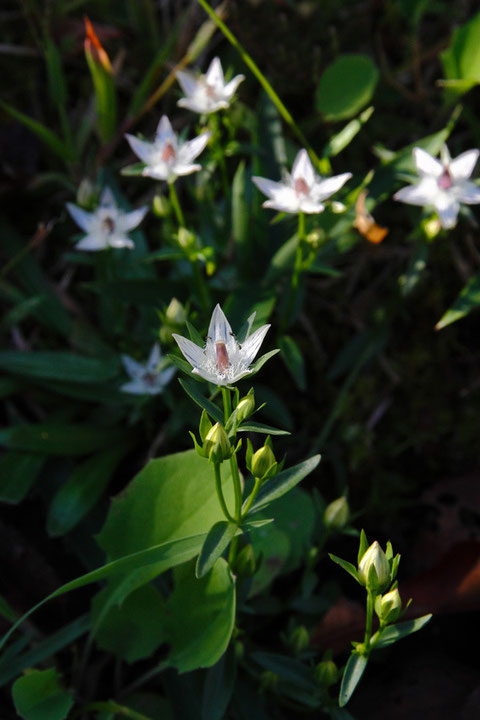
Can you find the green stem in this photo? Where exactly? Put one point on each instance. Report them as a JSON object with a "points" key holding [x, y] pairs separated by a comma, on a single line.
{"points": [[176, 204], [369, 620], [227, 403], [252, 497], [265, 84], [237, 485], [218, 486], [296, 274]]}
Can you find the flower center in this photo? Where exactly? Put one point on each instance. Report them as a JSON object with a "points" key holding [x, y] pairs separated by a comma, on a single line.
{"points": [[210, 91], [108, 225], [445, 181], [168, 152], [301, 187], [149, 378], [223, 362]]}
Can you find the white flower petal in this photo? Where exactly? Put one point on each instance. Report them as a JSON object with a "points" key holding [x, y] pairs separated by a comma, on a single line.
{"points": [[164, 132], [231, 87], [423, 193], [214, 75], [267, 187], [134, 387], [251, 346], [133, 368], [309, 206], [329, 186], [447, 208], [192, 104], [426, 164], [119, 241], [285, 199], [180, 169], [468, 193], [219, 329], [166, 375], [159, 171], [107, 198], [303, 168], [142, 149], [188, 82], [154, 357], [462, 167], [192, 148], [91, 243], [194, 354], [129, 221], [83, 218]]}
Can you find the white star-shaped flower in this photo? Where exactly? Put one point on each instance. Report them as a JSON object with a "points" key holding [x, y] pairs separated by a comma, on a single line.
{"points": [[303, 190], [443, 184], [146, 379], [166, 158], [207, 93], [107, 226], [223, 360]]}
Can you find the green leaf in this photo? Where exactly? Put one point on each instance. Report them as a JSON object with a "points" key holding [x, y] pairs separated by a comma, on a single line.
{"points": [[351, 569], [39, 696], [162, 557], [52, 141], [183, 365], [392, 633], [217, 540], [195, 336], [56, 77], [61, 366], [342, 139], [258, 364], [60, 439], [18, 472], [346, 86], [353, 672], [105, 98], [172, 497], [201, 616], [288, 670], [283, 482], [133, 630], [461, 60], [252, 426], [82, 490], [197, 396], [468, 300], [293, 359], [11, 667]]}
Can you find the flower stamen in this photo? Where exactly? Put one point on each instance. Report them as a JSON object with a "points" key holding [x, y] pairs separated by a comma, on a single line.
{"points": [[223, 361], [168, 152], [445, 181], [301, 187]]}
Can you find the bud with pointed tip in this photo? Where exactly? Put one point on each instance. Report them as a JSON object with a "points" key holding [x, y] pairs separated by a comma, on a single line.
{"points": [[374, 568], [388, 607], [326, 673], [337, 514], [263, 463], [175, 313], [217, 445], [299, 639], [245, 407]]}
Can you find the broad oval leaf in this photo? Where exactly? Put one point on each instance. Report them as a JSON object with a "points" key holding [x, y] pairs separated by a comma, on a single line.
{"points": [[38, 695], [346, 86]]}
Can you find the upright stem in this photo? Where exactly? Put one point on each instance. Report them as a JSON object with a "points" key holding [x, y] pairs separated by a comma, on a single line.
{"points": [[324, 163], [252, 497], [202, 289], [218, 487], [237, 485], [369, 620], [297, 271], [176, 204]]}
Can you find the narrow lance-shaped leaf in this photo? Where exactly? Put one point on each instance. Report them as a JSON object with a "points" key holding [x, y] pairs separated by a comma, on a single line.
{"points": [[351, 677], [283, 482], [217, 540]]}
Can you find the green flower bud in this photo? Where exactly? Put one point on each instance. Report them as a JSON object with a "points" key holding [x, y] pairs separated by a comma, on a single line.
{"points": [[299, 639], [245, 407], [374, 568], [217, 445], [87, 194], [337, 514], [185, 238], [160, 206], [388, 607], [175, 314], [268, 680], [326, 673], [262, 462]]}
